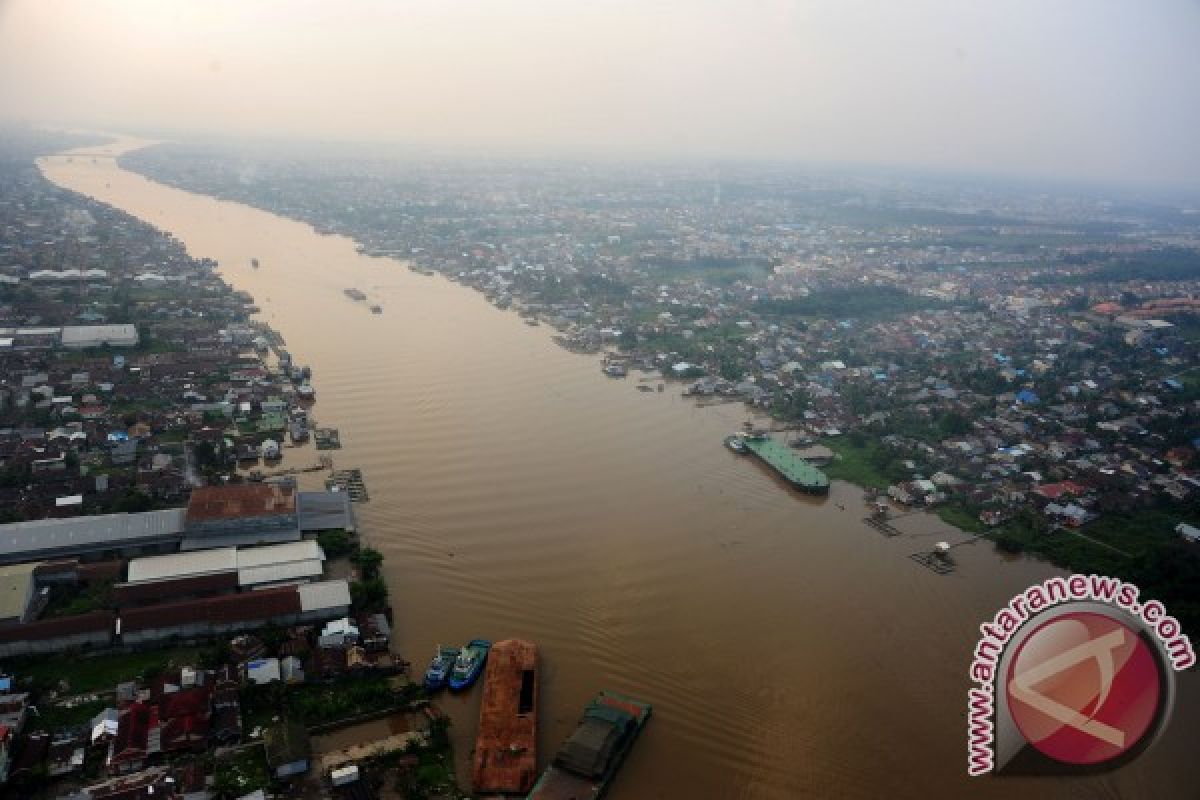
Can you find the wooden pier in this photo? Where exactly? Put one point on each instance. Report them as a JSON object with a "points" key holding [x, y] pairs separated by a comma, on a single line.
{"points": [[349, 481]]}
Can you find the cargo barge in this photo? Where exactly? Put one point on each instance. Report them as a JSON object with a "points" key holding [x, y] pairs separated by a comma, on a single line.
{"points": [[791, 467], [587, 763], [506, 747]]}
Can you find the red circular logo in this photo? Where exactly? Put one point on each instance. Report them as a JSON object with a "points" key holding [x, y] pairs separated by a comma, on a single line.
{"points": [[1084, 688]]}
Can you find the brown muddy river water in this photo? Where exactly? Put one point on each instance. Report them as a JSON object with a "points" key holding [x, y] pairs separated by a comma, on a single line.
{"points": [[788, 649]]}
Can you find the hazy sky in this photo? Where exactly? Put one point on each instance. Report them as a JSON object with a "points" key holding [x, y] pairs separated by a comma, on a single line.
{"points": [[1104, 89]]}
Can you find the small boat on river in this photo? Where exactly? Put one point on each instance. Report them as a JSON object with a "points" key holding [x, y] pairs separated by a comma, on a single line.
{"points": [[439, 668], [469, 664]]}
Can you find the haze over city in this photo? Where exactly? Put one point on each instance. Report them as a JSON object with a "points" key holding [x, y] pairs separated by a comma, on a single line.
{"points": [[1097, 90]]}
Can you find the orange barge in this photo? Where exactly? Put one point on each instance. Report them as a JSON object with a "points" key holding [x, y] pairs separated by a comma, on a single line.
{"points": [[506, 748]]}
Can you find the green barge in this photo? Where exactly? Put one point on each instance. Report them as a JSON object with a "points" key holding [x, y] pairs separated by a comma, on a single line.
{"points": [[781, 458]]}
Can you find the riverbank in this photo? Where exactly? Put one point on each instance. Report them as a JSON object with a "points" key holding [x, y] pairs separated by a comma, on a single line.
{"points": [[517, 491]]}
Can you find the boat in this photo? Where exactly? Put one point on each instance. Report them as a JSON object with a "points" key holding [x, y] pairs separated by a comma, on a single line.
{"points": [[735, 443], [439, 668], [589, 760], [306, 391], [254, 263], [376, 308], [469, 664], [790, 466], [505, 759], [615, 369], [354, 294]]}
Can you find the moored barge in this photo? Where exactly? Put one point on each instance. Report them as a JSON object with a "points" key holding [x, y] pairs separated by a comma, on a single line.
{"points": [[506, 748], [587, 763], [791, 467]]}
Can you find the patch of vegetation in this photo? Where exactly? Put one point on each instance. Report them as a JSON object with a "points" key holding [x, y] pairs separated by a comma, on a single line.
{"points": [[68, 601], [240, 774], [369, 594], [434, 775], [864, 302], [319, 704], [1167, 264], [862, 461], [336, 543], [101, 673], [51, 717]]}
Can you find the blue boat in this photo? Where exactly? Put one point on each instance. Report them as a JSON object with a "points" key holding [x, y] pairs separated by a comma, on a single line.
{"points": [[469, 664], [439, 668]]}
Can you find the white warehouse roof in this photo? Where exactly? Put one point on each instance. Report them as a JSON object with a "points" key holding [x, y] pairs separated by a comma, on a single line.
{"points": [[99, 335], [254, 565], [324, 595]]}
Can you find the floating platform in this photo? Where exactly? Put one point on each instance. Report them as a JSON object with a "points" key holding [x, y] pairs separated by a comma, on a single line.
{"points": [[882, 525], [793, 469], [327, 439], [349, 481], [940, 564]]}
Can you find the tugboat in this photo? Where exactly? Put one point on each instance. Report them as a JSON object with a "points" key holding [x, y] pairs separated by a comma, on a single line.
{"points": [[469, 664], [439, 668], [735, 443]]}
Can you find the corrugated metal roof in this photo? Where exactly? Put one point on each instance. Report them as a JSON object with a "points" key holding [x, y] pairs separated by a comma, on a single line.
{"points": [[209, 541], [94, 622], [323, 595], [23, 541], [178, 565], [253, 564], [242, 500], [323, 511], [247, 607], [250, 557], [16, 589], [278, 573]]}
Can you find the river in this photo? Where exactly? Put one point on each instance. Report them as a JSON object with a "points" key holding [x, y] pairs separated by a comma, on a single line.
{"points": [[788, 649]]}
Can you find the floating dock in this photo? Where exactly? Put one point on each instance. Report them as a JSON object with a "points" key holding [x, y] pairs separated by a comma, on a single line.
{"points": [[349, 481], [793, 469], [938, 562], [882, 525]]}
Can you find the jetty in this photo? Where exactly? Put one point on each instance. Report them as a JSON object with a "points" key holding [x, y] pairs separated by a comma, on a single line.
{"points": [[349, 481], [791, 467]]}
